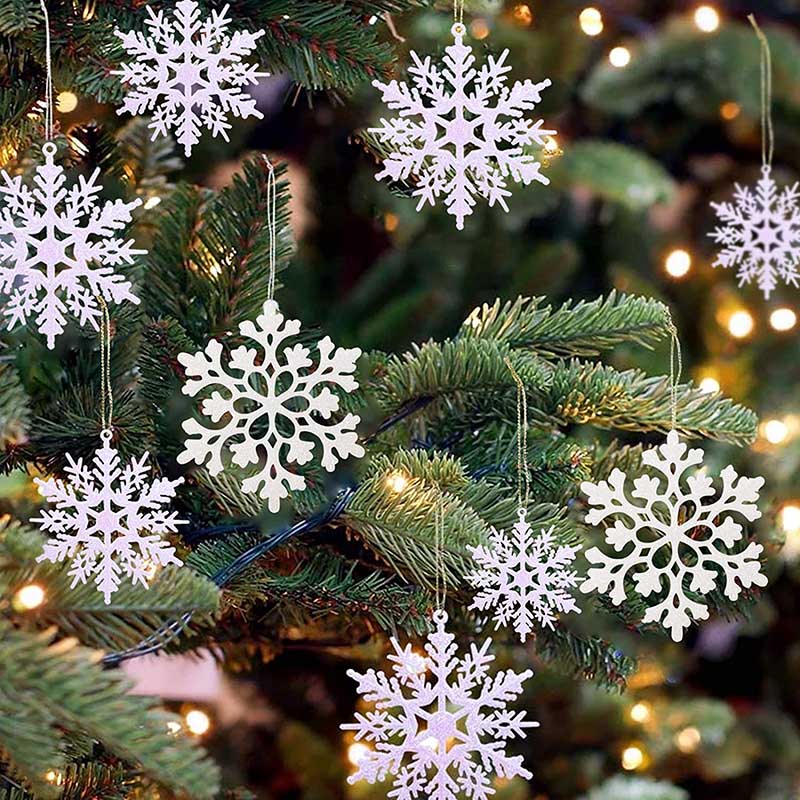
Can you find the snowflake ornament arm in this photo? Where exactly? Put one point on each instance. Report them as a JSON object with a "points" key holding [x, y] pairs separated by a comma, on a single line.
{"points": [[440, 723], [760, 234], [451, 138], [525, 578], [670, 538], [58, 249], [108, 520], [271, 408], [189, 73]]}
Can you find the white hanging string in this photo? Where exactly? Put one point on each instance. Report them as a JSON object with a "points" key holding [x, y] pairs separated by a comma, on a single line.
{"points": [[48, 89], [272, 226], [441, 575], [767, 131], [458, 12]]}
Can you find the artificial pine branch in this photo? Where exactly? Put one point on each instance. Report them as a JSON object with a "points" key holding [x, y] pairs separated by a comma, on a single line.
{"points": [[51, 686], [573, 329]]}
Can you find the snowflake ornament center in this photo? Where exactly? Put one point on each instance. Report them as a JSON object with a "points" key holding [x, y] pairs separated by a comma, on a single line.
{"points": [[270, 405], [108, 520], [524, 578], [673, 536], [760, 234], [461, 132], [441, 732]]}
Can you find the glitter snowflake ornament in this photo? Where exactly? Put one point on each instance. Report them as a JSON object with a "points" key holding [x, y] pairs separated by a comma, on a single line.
{"points": [[760, 234], [461, 132], [524, 578], [674, 534], [189, 72], [59, 247], [441, 723], [108, 520], [272, 407]]}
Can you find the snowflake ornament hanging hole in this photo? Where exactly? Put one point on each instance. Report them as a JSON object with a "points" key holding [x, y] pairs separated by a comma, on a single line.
{"points": [[674, 535], [470, 135], [269, 405], [440, 727]]}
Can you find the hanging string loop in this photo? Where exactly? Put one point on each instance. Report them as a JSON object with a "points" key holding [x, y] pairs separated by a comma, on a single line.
{"points": [[272, 226], [48, 87], [106, 395], [767, 129], [675, 371], [523, 474]]}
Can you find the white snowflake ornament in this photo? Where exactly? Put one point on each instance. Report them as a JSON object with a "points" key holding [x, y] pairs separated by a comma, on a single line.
{"points": [[108, 520], [59, 247], [461, 131], [760, 234], [274, 403], [672, 537], [525, 578], [441, 722], [189, 73]]}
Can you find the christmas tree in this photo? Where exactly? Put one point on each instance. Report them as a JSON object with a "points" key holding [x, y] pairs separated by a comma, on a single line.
{"points": [[533, 348]]}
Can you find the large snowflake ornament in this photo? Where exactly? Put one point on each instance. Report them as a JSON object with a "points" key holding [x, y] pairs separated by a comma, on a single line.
{"points": [[59, 247], [524, 577], [272, 406], [108, 520], [189, 73], [674, 534], [461, 131], [760, 234], [440, 723]]}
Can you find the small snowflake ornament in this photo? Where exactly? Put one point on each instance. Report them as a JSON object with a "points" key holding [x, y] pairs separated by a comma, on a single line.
{"points": [[59, 247], [108, 520], [274, 403], [461, 131], [441, 722], [674, 534], [189, 73], [760, 234], [525, 578]]}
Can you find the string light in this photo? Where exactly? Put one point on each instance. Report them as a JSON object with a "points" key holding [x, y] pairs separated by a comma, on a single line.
{"points": [[632, 757], [522, 14], [390, 222], [551, 145], [357, 752], [730, 110], [479, 29], [782, 319], [29, 597], [775, 431], [54, 776], [620, 57], [152, 202], [790, 518], [741, 324], [678, 263], [709, 384], [640, 712], [173, 727], [66, 102], [706, 18], [397, 482], [591, 21], [197, 722], [688, 740]]}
